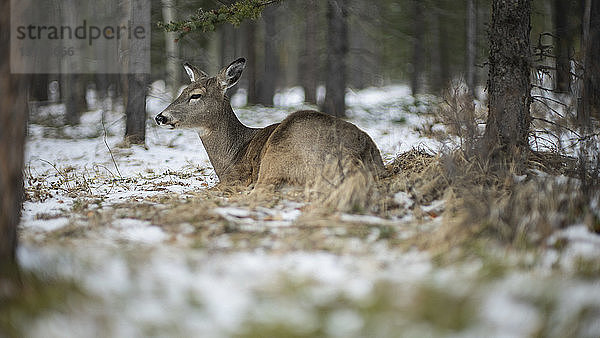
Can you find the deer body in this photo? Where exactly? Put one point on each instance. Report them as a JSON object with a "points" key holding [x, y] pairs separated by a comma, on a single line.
{"points": [[293, 151]]}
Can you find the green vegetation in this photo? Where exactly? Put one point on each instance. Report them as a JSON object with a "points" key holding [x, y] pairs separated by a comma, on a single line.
{"points": [[208, 20]]}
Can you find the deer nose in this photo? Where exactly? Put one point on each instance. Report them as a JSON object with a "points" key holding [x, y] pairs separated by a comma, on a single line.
{"points": [[160, 119]]}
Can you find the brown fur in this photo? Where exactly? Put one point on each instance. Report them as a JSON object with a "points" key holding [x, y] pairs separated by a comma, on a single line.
{"points": [[295, 151]]}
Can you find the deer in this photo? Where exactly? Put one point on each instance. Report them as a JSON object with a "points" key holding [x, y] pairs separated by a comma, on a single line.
{"points": [[294, 151]]}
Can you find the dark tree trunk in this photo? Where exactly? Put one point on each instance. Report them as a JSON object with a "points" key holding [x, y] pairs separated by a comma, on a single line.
{"points": [[135, 124], [117, 84], [435, 74], [444, 57], [73, 95], [13, 119], [508, 121], [337, 51], [591, 78], [416, 69], [39, 87], [439, 59], [471, 52], [562, 46], [309, 60], [135, 128], [101, 81], [268, 78], [250, 72]]}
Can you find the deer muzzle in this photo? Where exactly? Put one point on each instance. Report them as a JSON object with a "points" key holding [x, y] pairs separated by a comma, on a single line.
{"points": [[164, 118], [160, 119]]}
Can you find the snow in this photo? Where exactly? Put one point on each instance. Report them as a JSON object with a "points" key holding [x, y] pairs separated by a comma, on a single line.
{"points": [[147, 278], [403, 198], [140, 231]]}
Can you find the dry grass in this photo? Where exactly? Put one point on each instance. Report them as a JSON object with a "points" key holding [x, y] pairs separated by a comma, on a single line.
{"points": [[505, 202], [511, 206]]}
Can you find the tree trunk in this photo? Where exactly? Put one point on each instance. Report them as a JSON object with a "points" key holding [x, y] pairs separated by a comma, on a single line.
{"points": [[337, 51], [101, 82], [309, 60], [73, 93], [13, 120], [471, 53], [250, 72], [438, 51], [135, 124], [444, 48], [173, 66], [591, 78], [135, 128], [508, 121], [268, 78], [562, 47], [39, 87], [416, 69], [226, 44]]}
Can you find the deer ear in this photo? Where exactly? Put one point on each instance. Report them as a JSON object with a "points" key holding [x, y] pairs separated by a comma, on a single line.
{"points": [[193, 72], [231, 74]]}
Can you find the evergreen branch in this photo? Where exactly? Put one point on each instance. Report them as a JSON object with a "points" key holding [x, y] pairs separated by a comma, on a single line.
{"points": [[208, 20]]}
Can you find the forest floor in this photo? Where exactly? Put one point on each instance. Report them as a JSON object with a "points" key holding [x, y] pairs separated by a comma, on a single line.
{"points": [[132, 241]]}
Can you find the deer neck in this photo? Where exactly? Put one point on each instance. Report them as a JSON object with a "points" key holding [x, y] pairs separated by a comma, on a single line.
{"points": [[225, 139]]}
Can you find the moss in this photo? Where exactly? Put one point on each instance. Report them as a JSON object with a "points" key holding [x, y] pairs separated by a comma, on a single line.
{"points": [[260, 330], [493, 268], [587, 268], [35, 297], [442, 309], [386, 232]]}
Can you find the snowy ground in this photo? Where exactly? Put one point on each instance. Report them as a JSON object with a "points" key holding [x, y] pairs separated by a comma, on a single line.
{"points": [[152, 254]]}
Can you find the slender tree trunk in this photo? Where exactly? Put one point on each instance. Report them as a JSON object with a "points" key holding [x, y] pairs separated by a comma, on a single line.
{"points": [[117, 84], [591, 78], [471, 53], [228, 44], [309, 59], [250, 72], [508, 84], [436, 81], [337, 51], [416, 69], [13, 120], [268, 79], [73, 93], [135, 124], [39, 87], [359, 61], [173, 66], [101, 82], [135, 128], [562, 43], [444, 48]]}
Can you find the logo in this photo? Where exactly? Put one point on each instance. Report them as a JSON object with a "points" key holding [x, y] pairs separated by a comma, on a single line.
{"points": [[69, 36]]}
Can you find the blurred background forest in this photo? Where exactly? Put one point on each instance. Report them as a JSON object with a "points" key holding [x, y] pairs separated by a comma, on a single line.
{"points": [[425, 44]]}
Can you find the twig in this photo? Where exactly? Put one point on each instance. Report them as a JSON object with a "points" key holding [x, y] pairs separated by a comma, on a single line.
{"points": [[548, 106], [549, 99], [542, 88], [65, 177], [110, 151], [556, 124]]}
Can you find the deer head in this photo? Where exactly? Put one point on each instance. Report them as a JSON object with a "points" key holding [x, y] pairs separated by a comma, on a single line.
{"points": [[202, 105]]}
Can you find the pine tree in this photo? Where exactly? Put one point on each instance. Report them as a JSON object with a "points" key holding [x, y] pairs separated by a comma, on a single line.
{"points": [[509, 88]]}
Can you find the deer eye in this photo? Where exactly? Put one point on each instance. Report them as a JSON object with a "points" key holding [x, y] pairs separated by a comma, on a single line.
{"points": [[195, 96]]}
